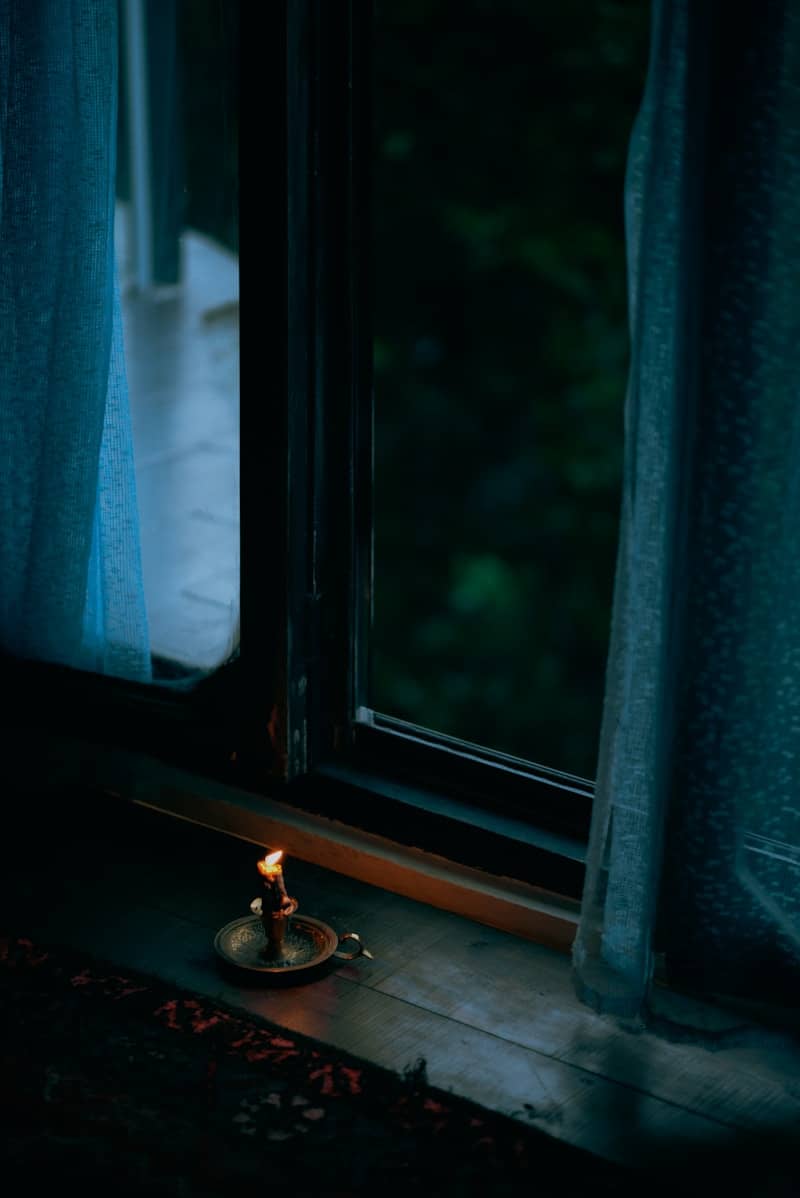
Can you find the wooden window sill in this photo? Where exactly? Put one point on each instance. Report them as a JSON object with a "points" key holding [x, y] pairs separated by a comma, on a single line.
{"points": [[494, 1015]]}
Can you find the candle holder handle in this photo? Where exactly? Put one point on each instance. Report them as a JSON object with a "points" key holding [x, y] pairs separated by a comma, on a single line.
{"points": [[360, 951]]}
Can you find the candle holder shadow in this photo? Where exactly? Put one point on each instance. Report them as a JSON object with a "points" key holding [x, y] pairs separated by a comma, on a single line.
{"points": [[309, 948]]}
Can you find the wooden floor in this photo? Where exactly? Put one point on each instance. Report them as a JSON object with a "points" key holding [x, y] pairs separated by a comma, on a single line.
{"points": [[494, 1017], [182, 359]]}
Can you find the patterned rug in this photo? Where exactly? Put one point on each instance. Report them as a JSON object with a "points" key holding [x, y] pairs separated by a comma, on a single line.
{"points": [[122, 1084]]}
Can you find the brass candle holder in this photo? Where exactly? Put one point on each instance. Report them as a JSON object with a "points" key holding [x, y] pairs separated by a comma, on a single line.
{"points": [[276, 942], [274, 924]]}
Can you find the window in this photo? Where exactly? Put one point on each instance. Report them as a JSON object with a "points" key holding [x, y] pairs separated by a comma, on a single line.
{"points": [[334, 710], [311, 703]]}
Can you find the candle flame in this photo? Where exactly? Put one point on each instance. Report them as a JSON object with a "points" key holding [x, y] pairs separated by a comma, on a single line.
{"points": [[270, 866]]}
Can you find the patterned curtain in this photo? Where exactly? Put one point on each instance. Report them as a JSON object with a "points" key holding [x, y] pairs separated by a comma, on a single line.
{"points": [[695, 843], [70, 571]]}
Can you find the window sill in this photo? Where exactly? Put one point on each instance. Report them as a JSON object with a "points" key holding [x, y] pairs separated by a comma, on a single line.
{"points": [[375, 791], [477, 887], [496, 1019]]}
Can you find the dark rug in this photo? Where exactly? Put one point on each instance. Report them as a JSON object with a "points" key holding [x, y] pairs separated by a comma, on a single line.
{"points": [[125, 1085]]}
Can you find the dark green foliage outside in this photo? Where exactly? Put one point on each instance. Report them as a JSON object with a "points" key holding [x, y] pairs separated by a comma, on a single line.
{"points": [[501, 350]]}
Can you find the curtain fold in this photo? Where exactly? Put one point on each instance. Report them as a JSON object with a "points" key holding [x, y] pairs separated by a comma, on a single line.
{"points": [[695, 841], [70, 567]]}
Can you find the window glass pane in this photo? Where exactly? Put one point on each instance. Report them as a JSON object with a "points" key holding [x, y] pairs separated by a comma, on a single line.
{"points": [[500, 352], [177, 253]]}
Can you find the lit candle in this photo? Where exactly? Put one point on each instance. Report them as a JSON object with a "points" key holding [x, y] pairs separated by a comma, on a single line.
{"points": [[271, 872], [276, 908]]}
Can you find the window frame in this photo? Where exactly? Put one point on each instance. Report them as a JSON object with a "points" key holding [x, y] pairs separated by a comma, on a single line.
{"points": [[228, 725], [283, 717], [344, 735]]}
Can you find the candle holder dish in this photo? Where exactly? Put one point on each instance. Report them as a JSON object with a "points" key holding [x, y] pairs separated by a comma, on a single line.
{"points": [[276, 944], [307, 945]]}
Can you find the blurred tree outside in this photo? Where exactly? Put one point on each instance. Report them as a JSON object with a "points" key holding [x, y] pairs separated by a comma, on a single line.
{"points": [[500, 352]]}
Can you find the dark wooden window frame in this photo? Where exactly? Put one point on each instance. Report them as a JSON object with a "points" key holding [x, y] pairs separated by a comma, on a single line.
{"points": [[285, 716]]}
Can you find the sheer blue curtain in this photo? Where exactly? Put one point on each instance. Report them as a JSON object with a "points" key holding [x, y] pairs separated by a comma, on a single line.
{"points": [[695, 841], [70, 572]]}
